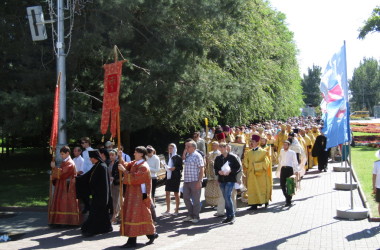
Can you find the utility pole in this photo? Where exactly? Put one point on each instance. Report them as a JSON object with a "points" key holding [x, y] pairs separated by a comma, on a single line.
{"points": [[61, 67]]}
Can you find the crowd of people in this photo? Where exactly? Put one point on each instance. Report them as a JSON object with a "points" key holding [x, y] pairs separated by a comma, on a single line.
{"points": [[102, 187]]}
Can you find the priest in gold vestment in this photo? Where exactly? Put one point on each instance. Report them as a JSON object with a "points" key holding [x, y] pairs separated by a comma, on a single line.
{"points": [[258, 169], [280, 138], [212, 190]]}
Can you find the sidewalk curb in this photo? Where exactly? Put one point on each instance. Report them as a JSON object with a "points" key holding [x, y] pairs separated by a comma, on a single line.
{"points": [[371, 218], [24, 209]]}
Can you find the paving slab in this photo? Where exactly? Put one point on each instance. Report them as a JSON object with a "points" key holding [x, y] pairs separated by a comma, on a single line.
{"points": [[311, 223]]}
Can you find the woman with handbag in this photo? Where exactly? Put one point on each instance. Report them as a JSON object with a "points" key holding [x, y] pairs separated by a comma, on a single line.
{"points": [[173, 178]]}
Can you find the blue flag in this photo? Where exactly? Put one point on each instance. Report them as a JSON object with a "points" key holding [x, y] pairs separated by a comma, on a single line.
{"points": [[335, 106]]}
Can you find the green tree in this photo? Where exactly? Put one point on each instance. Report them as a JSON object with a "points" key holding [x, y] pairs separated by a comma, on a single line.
{"points": [[365, 85], [372, 24], [232, 61], [27, 73], [310, 85]]}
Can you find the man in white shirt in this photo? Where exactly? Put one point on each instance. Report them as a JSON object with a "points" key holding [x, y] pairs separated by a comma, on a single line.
{"points": [[376, 179], [154, 166], [78, 160], [86, 144], [288, 165]]}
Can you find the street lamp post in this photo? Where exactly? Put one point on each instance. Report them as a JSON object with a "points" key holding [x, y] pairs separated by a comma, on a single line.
{"points": [[61, 67]]}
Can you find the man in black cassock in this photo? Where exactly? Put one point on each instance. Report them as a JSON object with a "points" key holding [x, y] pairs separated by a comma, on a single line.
{"points": [[96, 182], [319, 151]]}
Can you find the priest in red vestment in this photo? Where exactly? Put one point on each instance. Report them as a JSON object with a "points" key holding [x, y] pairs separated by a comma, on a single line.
{"points": [[137, 219], [64, 209]]}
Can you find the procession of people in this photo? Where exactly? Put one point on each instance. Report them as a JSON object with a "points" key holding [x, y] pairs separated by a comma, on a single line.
{"points": [[104, 187]]}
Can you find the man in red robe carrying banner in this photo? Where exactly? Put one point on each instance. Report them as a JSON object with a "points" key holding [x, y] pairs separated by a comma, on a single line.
{"points": [[63, 206], [64, 209]]}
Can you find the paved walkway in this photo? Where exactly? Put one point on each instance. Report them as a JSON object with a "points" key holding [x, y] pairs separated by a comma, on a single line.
{"points": [[310, 224]]}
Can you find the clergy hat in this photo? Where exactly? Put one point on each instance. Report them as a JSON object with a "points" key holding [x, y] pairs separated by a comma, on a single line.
{"points": [[220, 136], [226, 128], [264, 137], [255, 138], [94, 154]]}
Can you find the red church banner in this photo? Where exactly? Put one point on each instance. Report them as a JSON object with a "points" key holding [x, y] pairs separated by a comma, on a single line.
{"points": [[112, 77], [54, 125]]}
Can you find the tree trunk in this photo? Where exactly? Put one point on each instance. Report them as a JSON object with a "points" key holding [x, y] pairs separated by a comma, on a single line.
{"points": [[7, 147], [13, 144], [2, 143]]}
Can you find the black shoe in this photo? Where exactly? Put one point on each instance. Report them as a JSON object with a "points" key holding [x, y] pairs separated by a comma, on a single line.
{"points": [[254, 207], [232, 220], [152, 238], [324, 170], [288, 203], [129, 245], [55, 225], [87, 234], [266, 205], [226, 220]]}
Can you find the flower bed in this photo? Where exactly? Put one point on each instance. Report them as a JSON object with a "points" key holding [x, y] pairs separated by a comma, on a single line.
{"points": [[371, 144], [368, 128], [367, 140], [365, 124]]}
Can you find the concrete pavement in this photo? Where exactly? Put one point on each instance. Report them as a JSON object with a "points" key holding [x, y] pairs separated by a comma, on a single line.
{"points": [[310, 224]]}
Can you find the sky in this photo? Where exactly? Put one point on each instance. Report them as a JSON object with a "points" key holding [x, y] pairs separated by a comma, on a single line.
{"points": [[321, 26]]}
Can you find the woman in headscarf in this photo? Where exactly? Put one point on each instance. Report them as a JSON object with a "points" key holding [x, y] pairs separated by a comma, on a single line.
{"points": [[173, 178]]}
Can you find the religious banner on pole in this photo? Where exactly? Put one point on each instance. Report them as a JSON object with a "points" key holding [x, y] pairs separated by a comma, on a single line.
{"points": [[112, 78], [54, 125], [54, 138]]}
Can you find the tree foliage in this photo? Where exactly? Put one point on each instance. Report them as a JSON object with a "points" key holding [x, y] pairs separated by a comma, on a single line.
{"points": [[365, 85], [310, 85], [372, 24], [232, 61]]}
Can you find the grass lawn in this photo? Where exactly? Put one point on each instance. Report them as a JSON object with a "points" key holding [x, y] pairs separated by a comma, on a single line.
{"points": [[24, 180], [362, 161], [364, 134]]}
